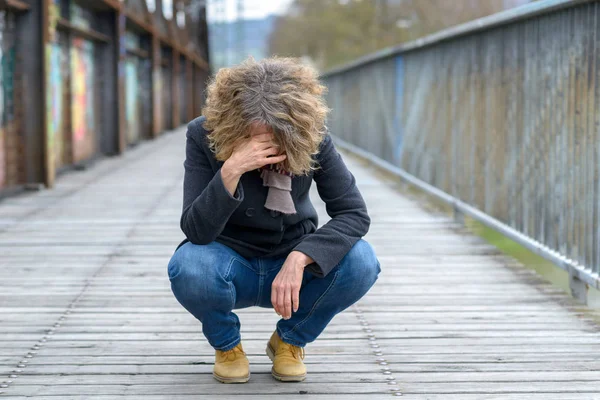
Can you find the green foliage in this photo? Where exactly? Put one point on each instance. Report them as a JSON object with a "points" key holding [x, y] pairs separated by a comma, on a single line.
{"points": [[333, 32]]}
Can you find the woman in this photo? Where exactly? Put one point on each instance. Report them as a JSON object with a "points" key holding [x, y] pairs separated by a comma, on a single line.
{"points": [[252, 237]]}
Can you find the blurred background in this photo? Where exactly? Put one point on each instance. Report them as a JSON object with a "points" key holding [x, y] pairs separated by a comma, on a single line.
{"points": [[331, 32], [83, 79], [500, 114]]}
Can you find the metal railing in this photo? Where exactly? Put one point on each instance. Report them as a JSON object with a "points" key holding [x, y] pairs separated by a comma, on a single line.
{"points": [[499, 117]]}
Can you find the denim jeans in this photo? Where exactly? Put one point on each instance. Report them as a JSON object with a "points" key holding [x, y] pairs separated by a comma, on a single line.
{"points": [[212, 280]]}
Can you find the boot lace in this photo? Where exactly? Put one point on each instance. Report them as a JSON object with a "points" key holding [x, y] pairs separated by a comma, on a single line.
{"points": [[231, 355], [289, 349]]}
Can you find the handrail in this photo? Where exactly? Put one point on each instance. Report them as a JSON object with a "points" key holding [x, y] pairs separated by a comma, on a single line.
{"points": [[501, 124], [506, 17]]}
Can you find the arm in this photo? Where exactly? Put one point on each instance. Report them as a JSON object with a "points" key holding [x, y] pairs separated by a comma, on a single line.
{"points": [[208, 201], [346, 207]]}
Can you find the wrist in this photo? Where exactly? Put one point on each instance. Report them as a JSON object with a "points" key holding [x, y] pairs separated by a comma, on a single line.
{"points": [[300, 259], [230, 169]]}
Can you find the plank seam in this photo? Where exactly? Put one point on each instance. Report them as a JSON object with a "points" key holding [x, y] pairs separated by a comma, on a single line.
{"points": [[35, 348], [385, 369]]}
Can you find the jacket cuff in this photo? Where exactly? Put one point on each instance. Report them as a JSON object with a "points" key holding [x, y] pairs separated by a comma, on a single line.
{"points": [[322, 262], [238, 195]]}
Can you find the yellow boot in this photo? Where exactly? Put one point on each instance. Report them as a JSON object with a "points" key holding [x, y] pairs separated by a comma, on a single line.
{"points": [[231, 366], [287, 360]]}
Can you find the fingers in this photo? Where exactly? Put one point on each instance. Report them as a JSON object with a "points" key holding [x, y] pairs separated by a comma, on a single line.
{"points": [[273, 160], [274, 294], [287, 302], [281, 301], [296, 298], [270, 151]]}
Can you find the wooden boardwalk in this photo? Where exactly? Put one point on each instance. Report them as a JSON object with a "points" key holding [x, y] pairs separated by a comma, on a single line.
{"points": [[86, 311]]}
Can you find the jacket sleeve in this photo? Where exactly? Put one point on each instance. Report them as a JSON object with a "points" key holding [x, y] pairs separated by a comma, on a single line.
{"points": [[346, 207], [207, 204]]}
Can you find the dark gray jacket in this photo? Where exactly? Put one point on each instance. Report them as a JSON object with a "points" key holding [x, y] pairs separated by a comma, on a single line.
{"points": [[242, 223]]}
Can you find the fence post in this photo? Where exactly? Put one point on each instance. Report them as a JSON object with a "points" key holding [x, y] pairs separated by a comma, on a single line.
{"points": [[459, 217], [157, 110], [175, 96], [579, 289]]}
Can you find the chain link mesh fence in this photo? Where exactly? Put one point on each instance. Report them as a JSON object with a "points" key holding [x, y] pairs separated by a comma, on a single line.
{"points": [[505, 120]]}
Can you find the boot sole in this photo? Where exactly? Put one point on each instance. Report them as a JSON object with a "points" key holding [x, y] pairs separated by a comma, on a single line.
{"points": [[222, 379], [282, 378]]}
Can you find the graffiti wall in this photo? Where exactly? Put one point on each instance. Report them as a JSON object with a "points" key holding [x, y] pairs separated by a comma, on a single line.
{"points": [[83, 88], [96, 94], [145, 95], [83, 105], [53, 92], [137, 91], [8, 129], [132, 107], [58, 56]]}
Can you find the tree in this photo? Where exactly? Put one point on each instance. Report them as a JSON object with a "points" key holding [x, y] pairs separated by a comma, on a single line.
{"points": [[333, 32]]}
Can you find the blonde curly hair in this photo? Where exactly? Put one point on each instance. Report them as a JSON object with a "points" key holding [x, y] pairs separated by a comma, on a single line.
{"points": [[283, 94]]}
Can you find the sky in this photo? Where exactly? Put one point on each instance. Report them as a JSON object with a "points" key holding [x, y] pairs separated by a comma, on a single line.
{"points": [[253, 9]]}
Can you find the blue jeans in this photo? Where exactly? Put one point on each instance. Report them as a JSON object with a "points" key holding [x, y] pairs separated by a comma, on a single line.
{"points": [[212, 280]]}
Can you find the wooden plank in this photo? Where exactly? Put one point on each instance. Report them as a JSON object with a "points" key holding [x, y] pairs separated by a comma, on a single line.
{"points": [[258, 386], [91, 281], [107, 378], [321, 366], [337, 335]]}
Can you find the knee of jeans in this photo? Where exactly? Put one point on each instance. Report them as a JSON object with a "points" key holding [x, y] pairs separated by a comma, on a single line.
{"points": [[179, 262], [362, 264], [195, 276], [192, 262]]}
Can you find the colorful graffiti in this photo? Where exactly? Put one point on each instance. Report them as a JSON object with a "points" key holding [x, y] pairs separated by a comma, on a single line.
{"points": [[137, 93], [6, 105], [55, 93], [83, 108], [51, 129], [132, 106]]}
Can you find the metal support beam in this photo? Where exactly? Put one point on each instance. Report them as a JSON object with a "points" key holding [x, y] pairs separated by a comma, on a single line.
{"points": [[190, 89], [157, 112], [175, 89], [121, 21], [49, 16], [109, 54], [31, 37]]}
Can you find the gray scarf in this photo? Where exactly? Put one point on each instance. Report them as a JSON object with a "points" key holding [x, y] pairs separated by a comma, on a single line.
{"points": [[279, 182]]}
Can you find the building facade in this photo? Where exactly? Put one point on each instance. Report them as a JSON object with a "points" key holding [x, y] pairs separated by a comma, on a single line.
{"points": [[95, 77]]}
